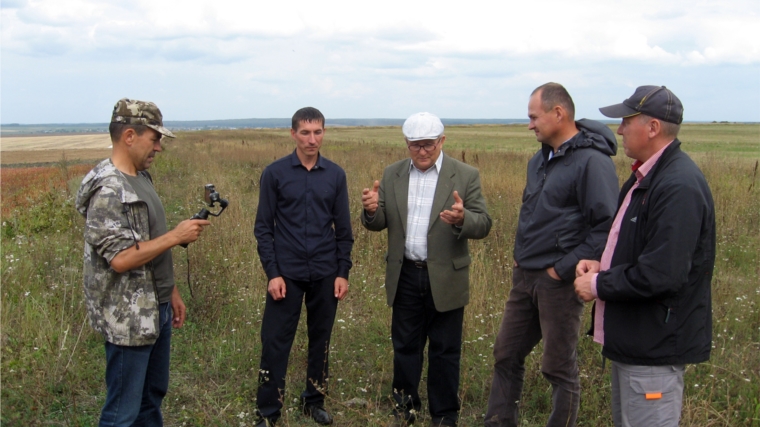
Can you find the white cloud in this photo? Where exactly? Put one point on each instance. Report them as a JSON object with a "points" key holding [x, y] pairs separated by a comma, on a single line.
{"points": [[263, 57], [616, 29]]}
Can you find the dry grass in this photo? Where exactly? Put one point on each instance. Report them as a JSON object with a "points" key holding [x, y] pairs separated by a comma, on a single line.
{"points": [[52, 362], [19, 150], [56, 142]]}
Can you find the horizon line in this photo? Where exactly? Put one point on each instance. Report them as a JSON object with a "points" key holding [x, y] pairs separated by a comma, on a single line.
{"points": [[169, 123]]}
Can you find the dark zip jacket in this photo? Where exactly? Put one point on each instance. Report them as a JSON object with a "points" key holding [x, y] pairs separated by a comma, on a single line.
{"points": [[657, 296], [569, 202]]}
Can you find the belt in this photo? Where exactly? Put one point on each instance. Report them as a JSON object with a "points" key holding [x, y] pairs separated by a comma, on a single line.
{"points": [[417, 264]]}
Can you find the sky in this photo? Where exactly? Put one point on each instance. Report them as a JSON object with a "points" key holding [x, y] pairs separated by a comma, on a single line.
{"points": [[69, 61]]}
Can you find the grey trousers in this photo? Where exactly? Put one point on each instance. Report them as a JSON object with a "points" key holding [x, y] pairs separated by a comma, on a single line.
{"points": [[538, 307], [644, 396]]}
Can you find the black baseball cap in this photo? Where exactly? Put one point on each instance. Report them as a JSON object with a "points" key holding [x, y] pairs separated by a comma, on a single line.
{"points": [[654, 101]]}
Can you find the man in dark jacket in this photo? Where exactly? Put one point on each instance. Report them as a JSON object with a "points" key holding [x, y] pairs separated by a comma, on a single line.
{"points": [[653, 305], [568, 204]]}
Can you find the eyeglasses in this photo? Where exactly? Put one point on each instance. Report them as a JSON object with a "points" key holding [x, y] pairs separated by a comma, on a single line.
{"points": [[427, 147]]}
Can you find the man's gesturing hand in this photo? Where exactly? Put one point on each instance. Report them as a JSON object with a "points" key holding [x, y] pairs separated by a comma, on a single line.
{"points": [[456, 215], [370, 198]]}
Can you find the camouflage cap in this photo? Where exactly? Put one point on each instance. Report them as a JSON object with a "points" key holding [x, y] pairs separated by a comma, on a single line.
{"points": [[134, 112]]}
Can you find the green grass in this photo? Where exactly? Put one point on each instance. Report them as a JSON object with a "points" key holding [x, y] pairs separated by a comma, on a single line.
{"points": [[53, 363]]}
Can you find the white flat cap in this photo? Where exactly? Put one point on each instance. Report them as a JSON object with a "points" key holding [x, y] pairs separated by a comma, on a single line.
{"points": [[422, 126]]}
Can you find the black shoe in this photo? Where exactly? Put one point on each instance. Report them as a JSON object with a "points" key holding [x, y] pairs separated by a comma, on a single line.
{"points": [[402, 418], [264, 422], [318, 414]]}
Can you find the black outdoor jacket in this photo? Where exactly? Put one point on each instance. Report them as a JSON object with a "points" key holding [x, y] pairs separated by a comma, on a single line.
{"points": [[569, 202], [657, 290]]}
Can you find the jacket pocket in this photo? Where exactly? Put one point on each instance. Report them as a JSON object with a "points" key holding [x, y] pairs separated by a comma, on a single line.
{"points": [[131, 311], [461, 262], [655, 386], [656, 397]]}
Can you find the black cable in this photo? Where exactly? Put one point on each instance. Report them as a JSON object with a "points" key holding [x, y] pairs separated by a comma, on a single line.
{"points": [[189, 284]]}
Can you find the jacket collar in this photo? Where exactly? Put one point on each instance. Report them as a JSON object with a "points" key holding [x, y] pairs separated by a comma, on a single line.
{"points": [[669, 152], [104, 174]]}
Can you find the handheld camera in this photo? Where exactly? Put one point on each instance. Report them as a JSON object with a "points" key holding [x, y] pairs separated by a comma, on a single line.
{"points": [[211, 197]]}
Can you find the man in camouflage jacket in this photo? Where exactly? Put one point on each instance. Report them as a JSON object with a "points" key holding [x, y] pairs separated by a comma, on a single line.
{"points": [[128, 278]]}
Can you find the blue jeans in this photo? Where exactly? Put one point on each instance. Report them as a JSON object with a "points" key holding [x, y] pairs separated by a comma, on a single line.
{"points": [[137, 379]]}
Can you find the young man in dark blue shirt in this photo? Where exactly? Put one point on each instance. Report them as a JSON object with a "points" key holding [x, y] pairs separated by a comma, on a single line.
{"points": [[303, 230]]}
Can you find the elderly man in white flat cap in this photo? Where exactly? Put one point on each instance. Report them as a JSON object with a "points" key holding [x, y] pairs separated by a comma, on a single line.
{"points": [[431, 205]]}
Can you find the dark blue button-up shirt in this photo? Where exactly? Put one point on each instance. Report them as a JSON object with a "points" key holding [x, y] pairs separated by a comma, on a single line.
{"points": [[303, 224]]}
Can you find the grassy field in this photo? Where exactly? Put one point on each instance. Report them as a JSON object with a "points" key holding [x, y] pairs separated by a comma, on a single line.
{"points": [[53, 363]]}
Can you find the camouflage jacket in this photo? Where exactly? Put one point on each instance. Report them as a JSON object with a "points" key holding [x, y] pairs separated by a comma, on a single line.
{"points": [[121, 306]]}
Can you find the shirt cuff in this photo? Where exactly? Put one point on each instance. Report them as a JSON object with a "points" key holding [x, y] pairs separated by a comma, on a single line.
{"points": [[593, 285], [272, 273]]}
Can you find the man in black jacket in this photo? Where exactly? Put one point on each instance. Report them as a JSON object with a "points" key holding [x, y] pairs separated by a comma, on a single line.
{"points": [[652, 289], [568, 205]]}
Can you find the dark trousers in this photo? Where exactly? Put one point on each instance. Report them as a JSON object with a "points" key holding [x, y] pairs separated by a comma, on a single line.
{"points": [[415, 321], [278, 328], [538, 306]]}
